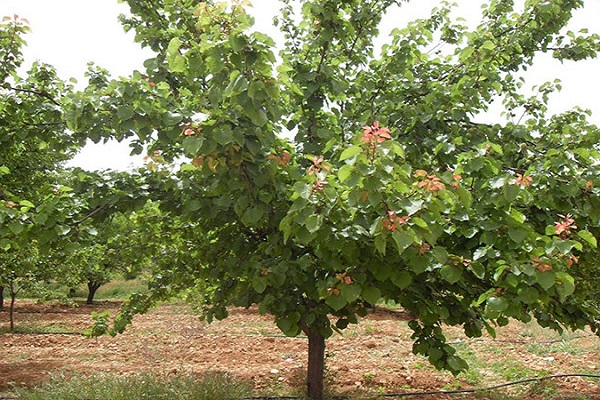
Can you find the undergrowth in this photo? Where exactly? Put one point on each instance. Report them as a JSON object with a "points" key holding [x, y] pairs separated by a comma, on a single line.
{"points": [[210, 386]]}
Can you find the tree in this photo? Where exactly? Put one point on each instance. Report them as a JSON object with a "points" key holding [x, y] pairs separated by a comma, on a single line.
{"points": [[26, 269], [34, 143], [390, 189], [119, 245], [39, 212]]}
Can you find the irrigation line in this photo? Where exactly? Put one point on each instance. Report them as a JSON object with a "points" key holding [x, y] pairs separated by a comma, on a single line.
{"points": [[475, 390], [436, 392]]}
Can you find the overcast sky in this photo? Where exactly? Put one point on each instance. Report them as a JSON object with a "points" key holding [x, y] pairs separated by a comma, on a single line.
{"points": [[70, 33]]}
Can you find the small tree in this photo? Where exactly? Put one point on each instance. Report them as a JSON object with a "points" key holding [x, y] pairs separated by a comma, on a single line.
{"points": [[115, 248], [390, 188]]}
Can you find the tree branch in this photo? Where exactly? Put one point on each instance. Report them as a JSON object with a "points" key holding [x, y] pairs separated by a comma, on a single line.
{"points": [[90, 215], [45, 95]]}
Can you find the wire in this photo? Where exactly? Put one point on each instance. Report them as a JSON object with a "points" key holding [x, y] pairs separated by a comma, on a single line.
{"points": [[474, 390], [436, 392]]}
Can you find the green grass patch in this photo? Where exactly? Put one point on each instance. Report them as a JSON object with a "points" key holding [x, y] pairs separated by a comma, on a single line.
{"points": [[116, 290], [35, 328], [563, 346], [120, 289], [512, 370], [210, 386]]}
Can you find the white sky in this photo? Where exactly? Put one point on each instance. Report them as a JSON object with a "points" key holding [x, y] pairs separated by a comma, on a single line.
{"points": [[70, 33]]}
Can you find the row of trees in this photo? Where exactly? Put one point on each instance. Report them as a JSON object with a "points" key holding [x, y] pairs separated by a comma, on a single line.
{"points": [[56, 224], [390, 189]]}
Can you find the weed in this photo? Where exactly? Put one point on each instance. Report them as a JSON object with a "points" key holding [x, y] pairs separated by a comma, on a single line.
{"points": [[566, 347], [453, 385], [368, 378], [512, 370], [36, 328], [546, 387], [210, 386]]}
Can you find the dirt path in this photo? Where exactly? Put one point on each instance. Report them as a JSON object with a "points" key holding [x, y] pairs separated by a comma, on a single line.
{"points": [[372, 357]]}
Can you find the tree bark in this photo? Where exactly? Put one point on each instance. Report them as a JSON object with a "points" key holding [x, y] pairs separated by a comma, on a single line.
{"points": [[316, 365], [11, 310], [92, 288], [1, 297]]}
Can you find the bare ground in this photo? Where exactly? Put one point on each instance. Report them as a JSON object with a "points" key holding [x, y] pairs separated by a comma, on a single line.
{"points": [[373, 357]]}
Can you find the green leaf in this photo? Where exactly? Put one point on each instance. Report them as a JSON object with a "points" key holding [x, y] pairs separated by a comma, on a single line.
{"points": [[336, 302], [465, 197], [496, 304], [371, 294], [177, 63], [344, 172], [545, 279], [125, 112], [192, 144], [511, 192], [440, 254], [313, 222], [16, 227], [192, 205], [288, 327], [420, 222], [564, 246], [456, 364], [173, 46], [256, 114], [237, 85], [27, 203], [172, 118], [237, 42], [451, 273], [62, 230], [517, 234], [480, 253], [350, 152], [402, 279], [566, 285], [488, 45], [380, 244], [5, 244], [588, 237], [402, 240], [528, 295], [252, 216], [478, 269], [259, 284], [550, 230], [350, 292]]}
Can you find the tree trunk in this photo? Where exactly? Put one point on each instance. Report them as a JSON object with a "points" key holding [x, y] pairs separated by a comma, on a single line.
{"points": [[11, 310], [1, 297], [92, 288], [316, 365]]}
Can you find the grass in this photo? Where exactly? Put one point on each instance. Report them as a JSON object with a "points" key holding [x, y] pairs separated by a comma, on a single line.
{"points": [[210, 386], [35, 328], [512, 370], [116, 290], [563, 346]]}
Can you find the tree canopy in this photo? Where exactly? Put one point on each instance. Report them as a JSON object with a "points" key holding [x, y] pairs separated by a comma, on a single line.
{"points": [[390, 188]]}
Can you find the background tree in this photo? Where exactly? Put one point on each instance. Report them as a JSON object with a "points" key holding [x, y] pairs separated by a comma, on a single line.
{"points": [[390, 188], [34, 143], [122, 245], [29, 270]]}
